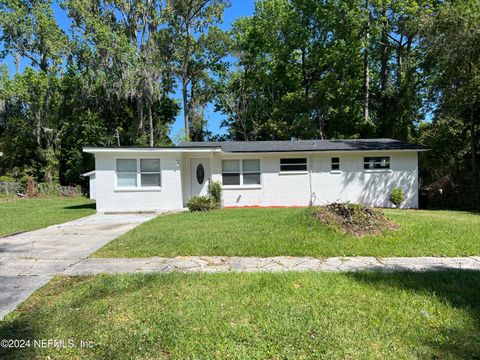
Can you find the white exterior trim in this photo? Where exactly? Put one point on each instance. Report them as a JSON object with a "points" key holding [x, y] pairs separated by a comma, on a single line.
{"points": [[98, 150]]}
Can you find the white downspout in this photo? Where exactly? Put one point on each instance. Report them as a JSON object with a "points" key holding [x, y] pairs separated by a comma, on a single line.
{"points": [[312, 194]]}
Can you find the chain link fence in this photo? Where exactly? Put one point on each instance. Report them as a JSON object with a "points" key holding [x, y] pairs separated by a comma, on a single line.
{"points": [[13, 188], [10, 188]]}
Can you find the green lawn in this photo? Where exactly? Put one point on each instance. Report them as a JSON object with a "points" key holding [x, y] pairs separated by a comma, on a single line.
{"points": [[275, 232], [433, 315], [18, 215]]}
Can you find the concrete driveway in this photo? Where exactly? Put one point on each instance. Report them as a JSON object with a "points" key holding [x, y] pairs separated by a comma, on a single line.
{"points": [[29, 260]]}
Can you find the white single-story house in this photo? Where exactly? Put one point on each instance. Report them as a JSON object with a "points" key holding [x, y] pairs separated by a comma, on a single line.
{"points": [[256, 173]]}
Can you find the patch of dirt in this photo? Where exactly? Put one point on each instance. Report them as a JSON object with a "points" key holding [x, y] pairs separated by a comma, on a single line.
{"points": [[354, 219]]}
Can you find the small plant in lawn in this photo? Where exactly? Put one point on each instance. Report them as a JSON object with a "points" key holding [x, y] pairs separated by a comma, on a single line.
{"points": [[397, 197]]}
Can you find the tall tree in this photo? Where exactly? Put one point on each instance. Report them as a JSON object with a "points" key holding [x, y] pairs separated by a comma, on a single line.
{"points": [[366, 64], [298, 73], [28, 30], [200, 46], [397, 84], [451, 44], [131, 52]]}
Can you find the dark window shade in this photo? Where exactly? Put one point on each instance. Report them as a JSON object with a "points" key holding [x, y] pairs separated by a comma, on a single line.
{"points": [[335, 163], [231, 179], [293, 164], [293, 161]]}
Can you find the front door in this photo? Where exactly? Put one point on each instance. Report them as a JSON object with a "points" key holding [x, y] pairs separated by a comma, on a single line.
{"points": [[200, 175]]}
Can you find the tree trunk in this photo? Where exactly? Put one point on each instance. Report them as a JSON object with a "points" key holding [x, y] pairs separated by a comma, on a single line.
{"points": [[384, 50], [17, 62], [400, 63], [186, 111], [150, 122], [43, 62], [473, 141], [306, 83], [141, 126], [408, 55], [185, 80], [38, 130], [321, 126], [366, 66]]}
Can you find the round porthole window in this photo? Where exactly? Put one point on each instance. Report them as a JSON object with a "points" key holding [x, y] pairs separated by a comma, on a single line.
{"points": [[200, 174]]}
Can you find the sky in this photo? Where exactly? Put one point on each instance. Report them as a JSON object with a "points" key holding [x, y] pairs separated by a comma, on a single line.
{"points": [[238, 8]]}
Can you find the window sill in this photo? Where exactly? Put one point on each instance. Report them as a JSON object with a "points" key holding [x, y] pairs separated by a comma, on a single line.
{"points": [[139, 189], [241, 187], [377, 171], [293, 172], [335, 171]]}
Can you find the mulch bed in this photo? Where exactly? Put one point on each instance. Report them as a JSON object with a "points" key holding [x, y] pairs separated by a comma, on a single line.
{"points": [[354, 219]]}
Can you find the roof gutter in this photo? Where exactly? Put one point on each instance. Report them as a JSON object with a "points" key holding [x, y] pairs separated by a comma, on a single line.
{"points": [[98, 150], [323, 151]]}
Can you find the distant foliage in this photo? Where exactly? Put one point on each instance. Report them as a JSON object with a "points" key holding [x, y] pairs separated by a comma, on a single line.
{"points": [[58, 190], [397, 197], [7, 179]]}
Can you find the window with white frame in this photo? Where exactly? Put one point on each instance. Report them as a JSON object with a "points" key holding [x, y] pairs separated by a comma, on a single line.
{"points": [[126, 173], [293, 164], [231, 172], [251, 172], [241, 172], [150, 172], [132, 173], [376, 162], [335, 163]]}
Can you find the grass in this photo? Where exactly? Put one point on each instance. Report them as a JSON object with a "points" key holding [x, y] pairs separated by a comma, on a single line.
{"points": [[18, 215], [254, 316], [292, 232]]}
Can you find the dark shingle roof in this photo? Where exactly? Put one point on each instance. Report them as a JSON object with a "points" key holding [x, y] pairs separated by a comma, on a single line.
{"points": [[306, 145]]}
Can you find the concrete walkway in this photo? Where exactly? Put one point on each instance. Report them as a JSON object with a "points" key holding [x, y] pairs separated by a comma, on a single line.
{"points": [[29, 260], [254, 264]]}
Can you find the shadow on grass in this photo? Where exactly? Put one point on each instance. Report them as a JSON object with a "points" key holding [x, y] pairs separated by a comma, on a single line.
{"points": [[92, 206], [32, 322], [19, 329], [459, 288], [466, 210]]}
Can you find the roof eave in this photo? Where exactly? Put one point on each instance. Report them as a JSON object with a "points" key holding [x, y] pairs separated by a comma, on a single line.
{"points": [[323, 151], [97, 150]]}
